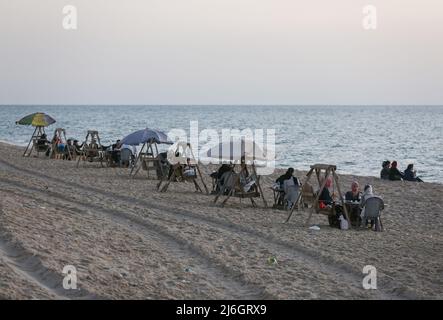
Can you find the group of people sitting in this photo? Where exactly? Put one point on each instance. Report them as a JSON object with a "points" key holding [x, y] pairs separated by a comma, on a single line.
{"points": [[290, 187], [65, 151], [354, 196], [121, 155], [391, 172]]}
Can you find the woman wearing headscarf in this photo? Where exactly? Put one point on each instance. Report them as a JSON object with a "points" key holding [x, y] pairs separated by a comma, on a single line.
{"points": [[326, 199], [410, 174], [367, 193], [325, 195], [354, 194], [394, 173]]}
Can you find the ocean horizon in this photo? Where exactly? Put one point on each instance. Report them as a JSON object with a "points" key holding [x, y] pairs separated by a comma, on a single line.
{"points": [[355, 138]]}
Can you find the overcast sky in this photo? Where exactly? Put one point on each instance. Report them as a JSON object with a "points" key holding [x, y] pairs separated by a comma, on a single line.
{"points": [[221, 52]]}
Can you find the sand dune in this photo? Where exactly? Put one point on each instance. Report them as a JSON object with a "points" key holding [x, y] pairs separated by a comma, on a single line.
{"points": [[127, 240]]}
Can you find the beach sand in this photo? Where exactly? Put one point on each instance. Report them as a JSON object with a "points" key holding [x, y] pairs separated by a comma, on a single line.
{"points": [[126, 240]]}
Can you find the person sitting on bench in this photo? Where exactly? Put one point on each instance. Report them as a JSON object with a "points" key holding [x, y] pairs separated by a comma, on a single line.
{"points": [[43, 144], [217, 176], [325, 195]]}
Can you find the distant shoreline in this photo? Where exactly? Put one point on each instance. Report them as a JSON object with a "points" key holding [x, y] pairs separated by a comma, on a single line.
{"points": [[225, 105]]}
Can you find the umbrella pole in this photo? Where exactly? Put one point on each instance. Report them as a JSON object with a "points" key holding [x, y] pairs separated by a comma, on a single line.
{"points": [[30, 141]]}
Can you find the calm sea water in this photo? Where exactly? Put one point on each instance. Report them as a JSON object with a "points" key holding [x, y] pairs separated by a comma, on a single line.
{"points": [[355, 138]]}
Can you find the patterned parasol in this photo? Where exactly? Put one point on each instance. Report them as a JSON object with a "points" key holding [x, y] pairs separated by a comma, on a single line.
{"points": [[38, 119]]}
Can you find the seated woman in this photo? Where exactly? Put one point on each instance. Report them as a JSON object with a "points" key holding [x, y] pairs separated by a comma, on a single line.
{"points": [[325, 195], [394, 173], [290, 186], [410, 174], [355, 196], [327, 200], [384, 173], [367, 193], [218, 177]]}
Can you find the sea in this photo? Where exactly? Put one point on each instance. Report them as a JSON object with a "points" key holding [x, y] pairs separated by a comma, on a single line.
{"points": [[355, 138]]}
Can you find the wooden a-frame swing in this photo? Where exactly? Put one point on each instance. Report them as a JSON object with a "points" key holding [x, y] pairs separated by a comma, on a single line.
{"points": [[148, 159], [60, 134], [177, 157], [92, 149], [308, 198], [232, 187]]}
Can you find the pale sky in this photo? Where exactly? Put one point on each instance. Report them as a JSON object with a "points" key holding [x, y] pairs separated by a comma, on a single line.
{"points": [[221, 52]]}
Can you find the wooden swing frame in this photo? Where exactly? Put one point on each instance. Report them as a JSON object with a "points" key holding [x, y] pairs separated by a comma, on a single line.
{"points": [[329, 170], [178, 166], [60, 133], [237, 185], [147, 159], [86, 150]]}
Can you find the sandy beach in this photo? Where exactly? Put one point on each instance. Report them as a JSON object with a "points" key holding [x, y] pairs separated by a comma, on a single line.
{"points": [[128, 241]]}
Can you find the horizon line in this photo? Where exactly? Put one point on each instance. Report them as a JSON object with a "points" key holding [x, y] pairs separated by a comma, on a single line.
{"points": [[227, 105]]}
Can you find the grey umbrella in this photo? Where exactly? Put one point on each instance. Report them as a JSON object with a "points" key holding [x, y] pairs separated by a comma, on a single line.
{"points": [[146, 135]]}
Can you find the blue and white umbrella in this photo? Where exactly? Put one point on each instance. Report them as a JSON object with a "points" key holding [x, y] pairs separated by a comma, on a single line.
{"points": [[146, 135]]}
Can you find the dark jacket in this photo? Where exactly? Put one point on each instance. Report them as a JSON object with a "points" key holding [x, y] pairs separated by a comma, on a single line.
{"points": [[395, 174], [349, 196], [384, 174], [409, 175], [325, 196]]}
